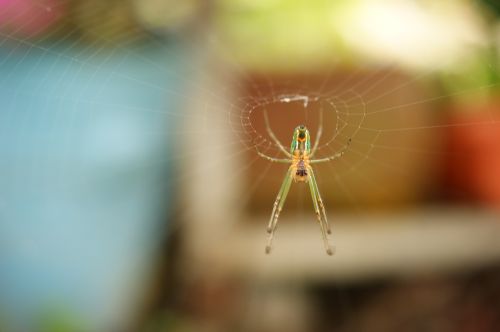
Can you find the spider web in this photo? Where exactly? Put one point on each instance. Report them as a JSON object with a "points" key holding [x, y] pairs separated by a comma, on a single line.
{"points": [[366, 103], [392, 118]]}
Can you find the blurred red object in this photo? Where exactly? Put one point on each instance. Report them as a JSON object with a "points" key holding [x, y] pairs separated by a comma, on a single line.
{"points": [[29, 18], [472, 167]]}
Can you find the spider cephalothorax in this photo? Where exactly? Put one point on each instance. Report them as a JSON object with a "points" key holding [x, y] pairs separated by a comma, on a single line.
{"points": [[301, 140]]}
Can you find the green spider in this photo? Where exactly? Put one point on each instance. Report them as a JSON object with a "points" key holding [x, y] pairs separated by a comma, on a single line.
{"points": [[300, 170]]}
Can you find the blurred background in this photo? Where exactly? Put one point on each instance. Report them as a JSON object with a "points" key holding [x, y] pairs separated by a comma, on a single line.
{"points": [[132, 197]]}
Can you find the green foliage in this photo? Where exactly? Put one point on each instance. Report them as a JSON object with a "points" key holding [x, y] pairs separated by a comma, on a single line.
{"points": [[60, 320]]}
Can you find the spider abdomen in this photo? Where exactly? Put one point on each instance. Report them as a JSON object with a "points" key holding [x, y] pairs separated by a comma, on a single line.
{"points": [[301, 174]]}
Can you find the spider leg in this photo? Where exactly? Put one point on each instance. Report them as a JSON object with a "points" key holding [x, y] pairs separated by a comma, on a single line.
{"points": [[323, 224], [335, 156], [271, 159], [320, 200], [277, 207], [318, 133], [273, 137]]}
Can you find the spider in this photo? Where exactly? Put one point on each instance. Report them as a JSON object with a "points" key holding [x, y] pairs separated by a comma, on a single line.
{"points": [[301, 158]]}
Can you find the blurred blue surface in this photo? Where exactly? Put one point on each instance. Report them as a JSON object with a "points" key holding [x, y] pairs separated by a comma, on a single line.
{"points": [[84, 177]]}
